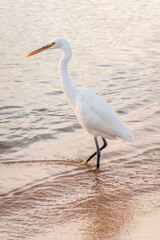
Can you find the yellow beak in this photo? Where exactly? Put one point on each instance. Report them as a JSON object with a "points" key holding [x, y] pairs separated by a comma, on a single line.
{"points": [[39, 50]]}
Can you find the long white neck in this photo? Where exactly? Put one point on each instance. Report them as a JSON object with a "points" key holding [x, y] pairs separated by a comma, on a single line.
{"points": [[68, 87]]}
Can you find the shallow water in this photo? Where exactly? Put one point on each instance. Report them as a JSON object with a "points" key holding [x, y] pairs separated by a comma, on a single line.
{"points": [[44, 191]]}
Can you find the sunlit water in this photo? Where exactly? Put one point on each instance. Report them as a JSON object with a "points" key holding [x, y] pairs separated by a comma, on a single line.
{"points": [[45, 192]]}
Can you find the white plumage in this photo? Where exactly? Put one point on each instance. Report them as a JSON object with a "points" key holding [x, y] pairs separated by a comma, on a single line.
{"points": [[98, 117], [93, 112]]}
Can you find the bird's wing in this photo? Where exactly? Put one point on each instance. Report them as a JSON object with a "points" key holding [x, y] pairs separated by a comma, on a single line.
{"points": [[97, 116]]}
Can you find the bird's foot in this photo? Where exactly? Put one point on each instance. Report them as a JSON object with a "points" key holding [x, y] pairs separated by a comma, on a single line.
{"points": [[96, 170], [84, 162]]}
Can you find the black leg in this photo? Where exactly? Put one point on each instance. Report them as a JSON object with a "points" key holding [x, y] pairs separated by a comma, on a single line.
{"points": [[98, 152], [104, 145], [99, 149]]}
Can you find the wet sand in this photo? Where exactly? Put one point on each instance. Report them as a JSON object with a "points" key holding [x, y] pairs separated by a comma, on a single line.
{"points": [[42, 201], [144, 226]]}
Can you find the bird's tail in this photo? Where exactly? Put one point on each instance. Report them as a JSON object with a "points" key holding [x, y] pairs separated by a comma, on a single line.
{"points": [[128, 137]]}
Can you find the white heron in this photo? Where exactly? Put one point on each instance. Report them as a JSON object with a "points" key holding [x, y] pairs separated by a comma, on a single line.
{"points": [[93, 112]]}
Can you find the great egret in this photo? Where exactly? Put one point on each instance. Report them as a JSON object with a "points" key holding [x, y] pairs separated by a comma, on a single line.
{"points": [[92, 111]]}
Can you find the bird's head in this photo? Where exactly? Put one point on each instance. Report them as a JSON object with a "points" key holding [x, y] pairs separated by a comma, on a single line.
{"points": [[58, 42]]}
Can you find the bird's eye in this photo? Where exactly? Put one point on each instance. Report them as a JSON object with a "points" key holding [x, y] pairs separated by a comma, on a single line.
{"points": [[51, 44]]}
